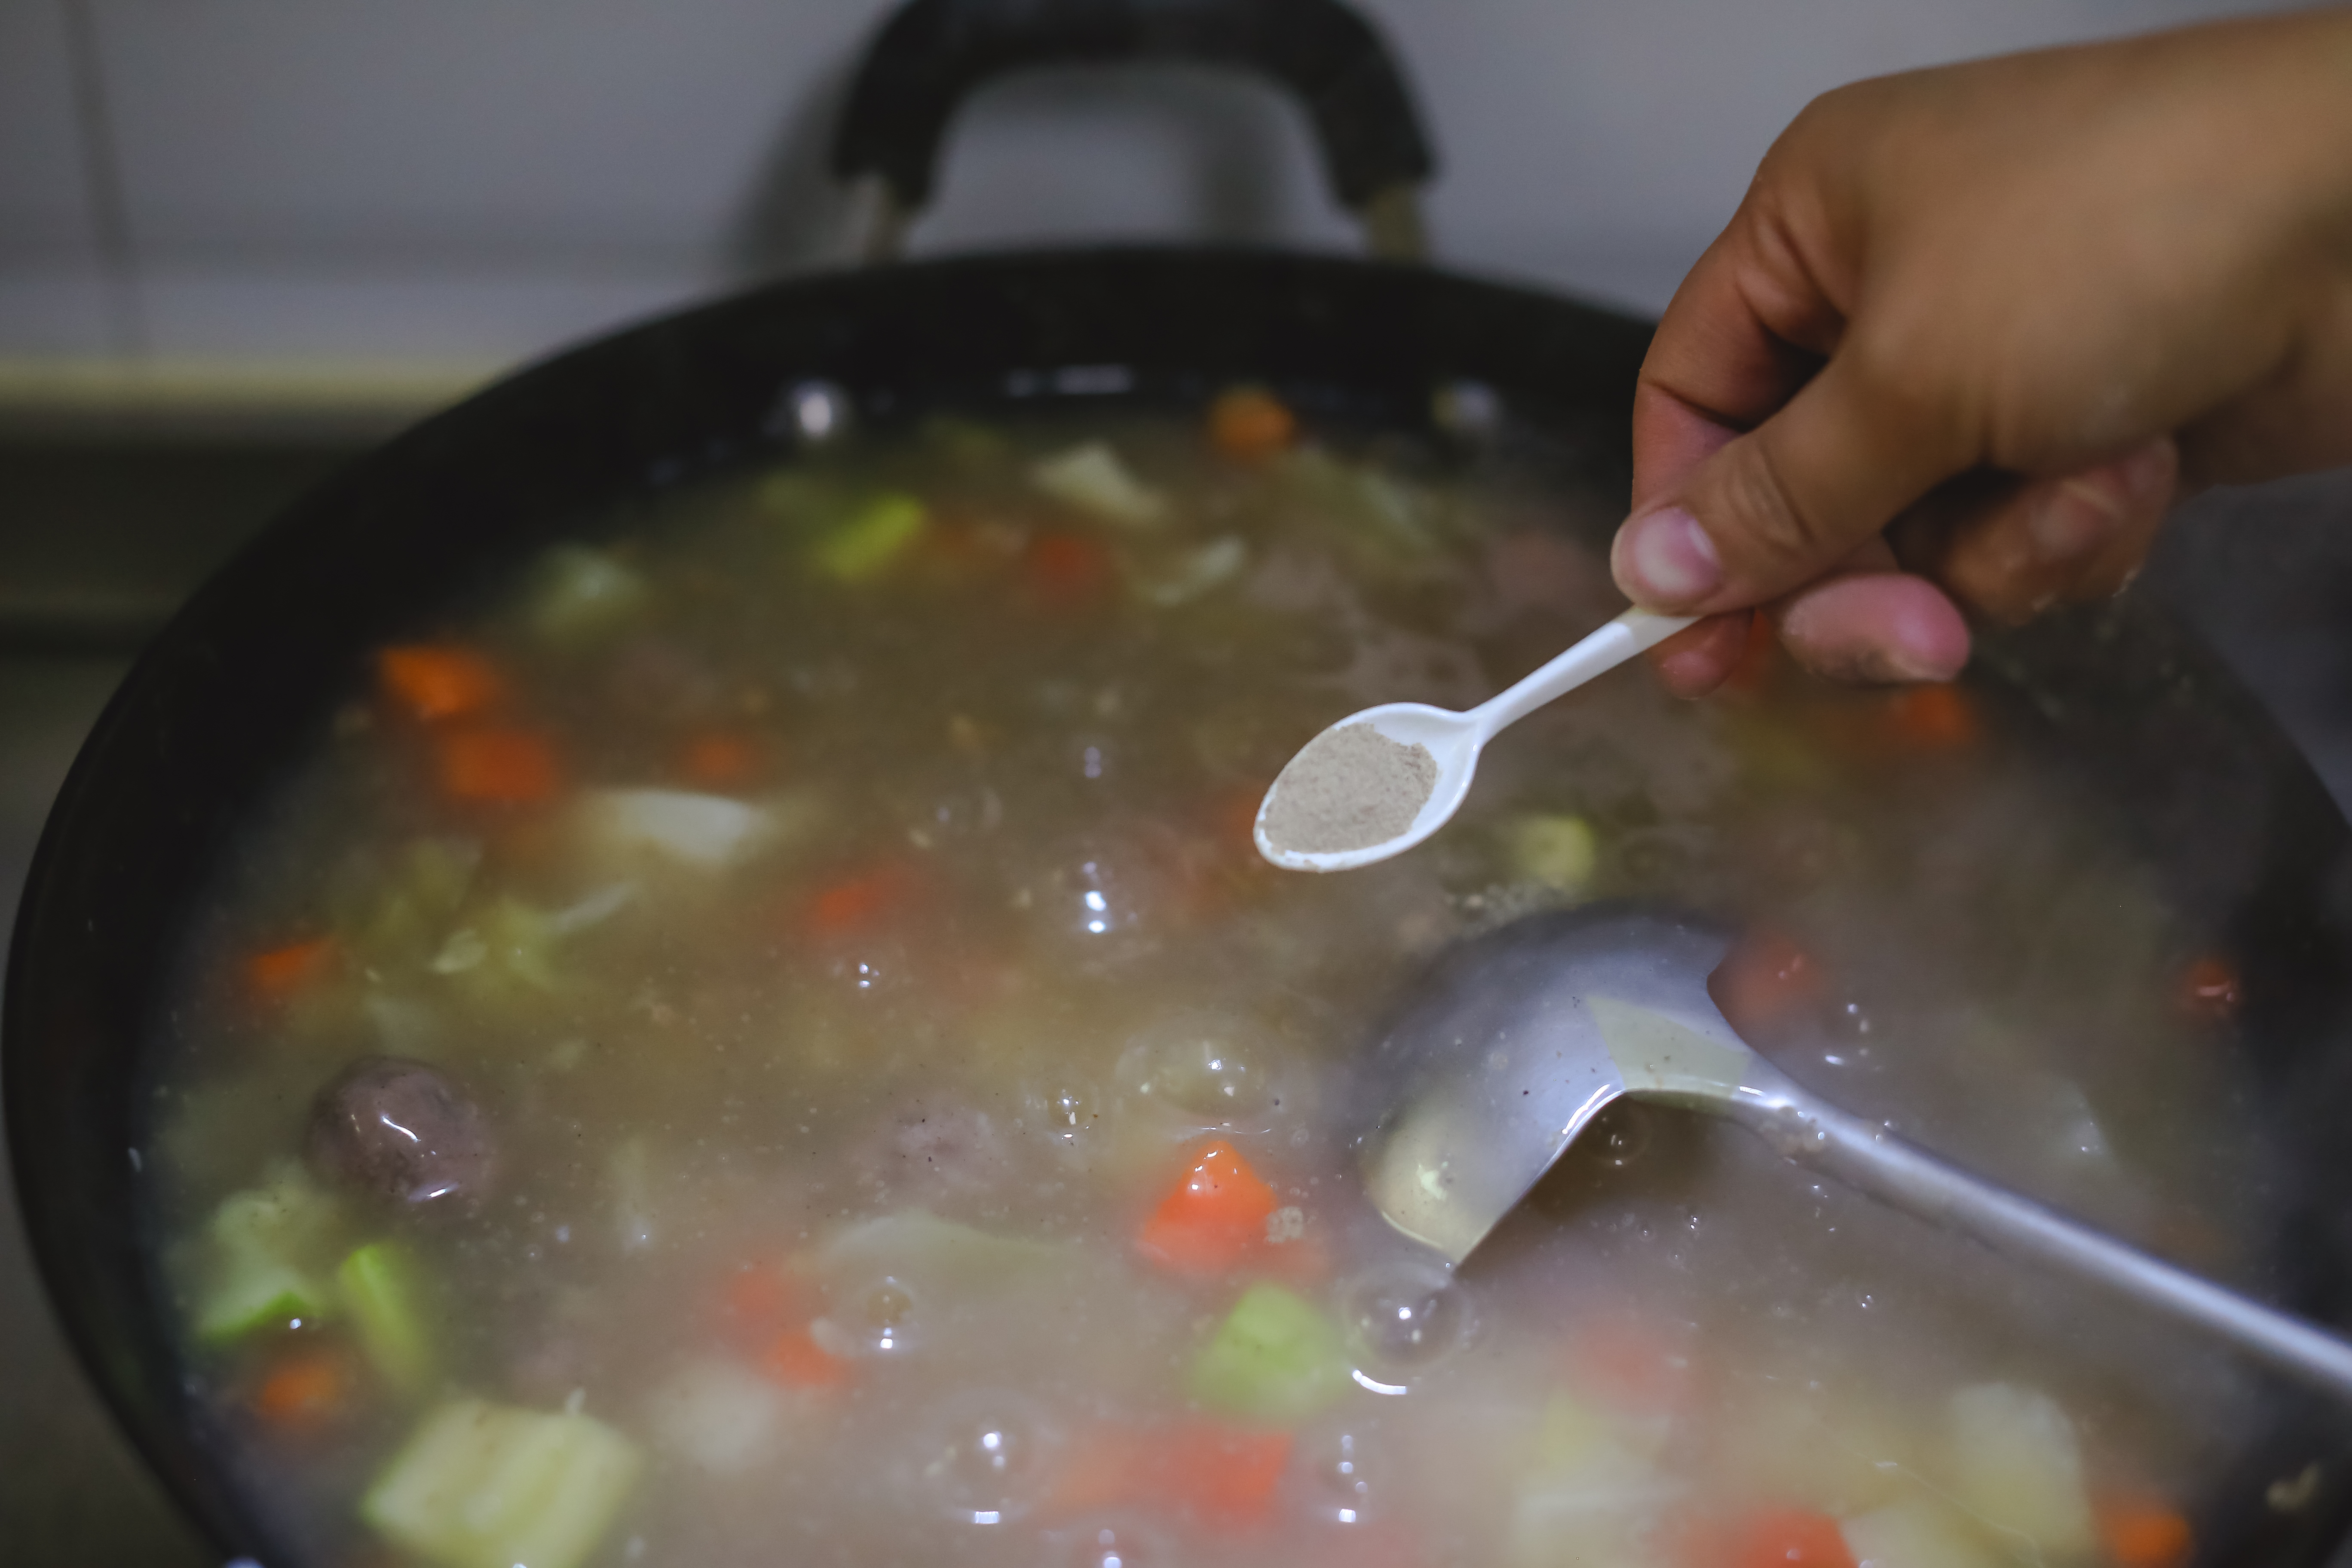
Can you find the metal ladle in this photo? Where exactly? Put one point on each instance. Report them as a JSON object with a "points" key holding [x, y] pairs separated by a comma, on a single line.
{"points": [[1519, 1037]]}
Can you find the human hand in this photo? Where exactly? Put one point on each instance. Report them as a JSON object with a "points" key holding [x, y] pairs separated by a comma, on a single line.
{"points": [[1974, 328]]}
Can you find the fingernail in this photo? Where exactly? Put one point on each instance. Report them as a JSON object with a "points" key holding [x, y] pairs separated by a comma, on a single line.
{"points": [[1666, 561], [1914, 665]]}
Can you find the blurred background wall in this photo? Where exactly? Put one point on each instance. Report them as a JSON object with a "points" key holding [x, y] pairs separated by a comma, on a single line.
{"points": [[410, 193]]}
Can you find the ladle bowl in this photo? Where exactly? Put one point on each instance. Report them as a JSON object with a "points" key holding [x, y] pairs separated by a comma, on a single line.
{"points": [[1515, 1041]]}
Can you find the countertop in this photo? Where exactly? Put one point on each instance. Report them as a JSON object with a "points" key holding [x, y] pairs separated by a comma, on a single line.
{"points": [[98, 540]]}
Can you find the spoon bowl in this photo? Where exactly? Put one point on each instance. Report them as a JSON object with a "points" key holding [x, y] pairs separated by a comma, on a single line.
{"points": [[1515, 1040], [1453, 741]]}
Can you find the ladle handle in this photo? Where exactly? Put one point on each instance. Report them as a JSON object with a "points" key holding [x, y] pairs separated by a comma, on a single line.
{"points": [[1880, 1165], [1635, 631]]}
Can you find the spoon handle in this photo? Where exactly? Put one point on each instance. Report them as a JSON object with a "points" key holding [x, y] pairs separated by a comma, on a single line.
{"points": [[1635, 631], [1880, 1165]]}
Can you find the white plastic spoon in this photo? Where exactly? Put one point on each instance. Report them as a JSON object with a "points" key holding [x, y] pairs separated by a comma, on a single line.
{"points": [[1452, 739]]}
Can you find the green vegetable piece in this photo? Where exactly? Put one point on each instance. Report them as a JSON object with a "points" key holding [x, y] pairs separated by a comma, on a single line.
{"points": [[384, 1291], [1091, 477], [265, 1248], [1558, 851], [863, 547], [259, 1293], [1275, 1360], [580, 593], [488, 1486]]}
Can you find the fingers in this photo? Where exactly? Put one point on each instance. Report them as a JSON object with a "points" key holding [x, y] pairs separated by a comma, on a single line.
{"points": [[2011, 550], [1778, 506], [1865, 622], [1698, 659], [1875, 626]]}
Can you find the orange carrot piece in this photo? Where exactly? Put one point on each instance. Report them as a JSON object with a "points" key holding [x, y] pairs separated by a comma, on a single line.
{"points": [[499, 767], [1249, 423], [857, 905], [1788, 1538], [435, 682], [756, 1304], [275, 975], [2145, 1534], [2209, 988], [1066, 571], [1760, 657], [1215, 1219], [1629, 1365], [305, 1389], [1223, 1476], [719, 758], [1107, 1469], [797, 1360], [1766, 979], [1931, 718]]}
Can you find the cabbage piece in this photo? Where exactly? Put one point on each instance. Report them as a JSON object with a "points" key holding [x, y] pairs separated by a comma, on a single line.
{"points": [[2015, 1464], [1557, 850], [1916, 1535], [708, 831], [488, 1486], [578, 595], [1191, 573], [718, 1416], [1591, 1492], [1091, 477]]}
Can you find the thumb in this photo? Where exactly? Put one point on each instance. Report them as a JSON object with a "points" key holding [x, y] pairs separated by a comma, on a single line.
{"points": [[1778, 506]]}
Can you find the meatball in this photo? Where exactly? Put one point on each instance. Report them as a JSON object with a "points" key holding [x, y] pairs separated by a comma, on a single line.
{"points": [[403, 1131]]}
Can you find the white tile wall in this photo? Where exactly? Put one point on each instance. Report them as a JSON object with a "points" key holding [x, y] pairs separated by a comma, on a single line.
{"points": [[478, 179], [52, 291]]}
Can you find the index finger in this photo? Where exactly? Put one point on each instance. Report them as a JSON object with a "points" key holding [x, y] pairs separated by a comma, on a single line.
{"points": [[1747, 329]]}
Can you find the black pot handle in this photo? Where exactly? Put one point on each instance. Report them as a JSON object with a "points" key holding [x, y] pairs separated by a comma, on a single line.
{"points": [[931, 53]]}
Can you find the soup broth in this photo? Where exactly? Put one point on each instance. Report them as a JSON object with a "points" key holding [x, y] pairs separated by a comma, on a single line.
{"points": [[764, 1038]]}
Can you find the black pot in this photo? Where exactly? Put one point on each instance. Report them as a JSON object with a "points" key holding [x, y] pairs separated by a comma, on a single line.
{"points": [[244, 681]]}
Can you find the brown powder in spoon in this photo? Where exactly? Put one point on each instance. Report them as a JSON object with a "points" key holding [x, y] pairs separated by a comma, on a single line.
{"points": [[1351, 788]]}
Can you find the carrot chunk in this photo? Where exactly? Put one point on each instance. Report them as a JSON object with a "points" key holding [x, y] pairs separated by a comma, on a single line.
{"points": [[857, 905], [1223, 1477], [1760, 657], [276, 975], [719, 758], [435, 682], [1215, 1219], [2143, 1534], [305, 1389], [1931, 718], [499, 767], [1250, 425], [1066, 571], [1629, 1365], [2210, 989], [795, 1360], [1788, 1538], [1766, 979]]}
